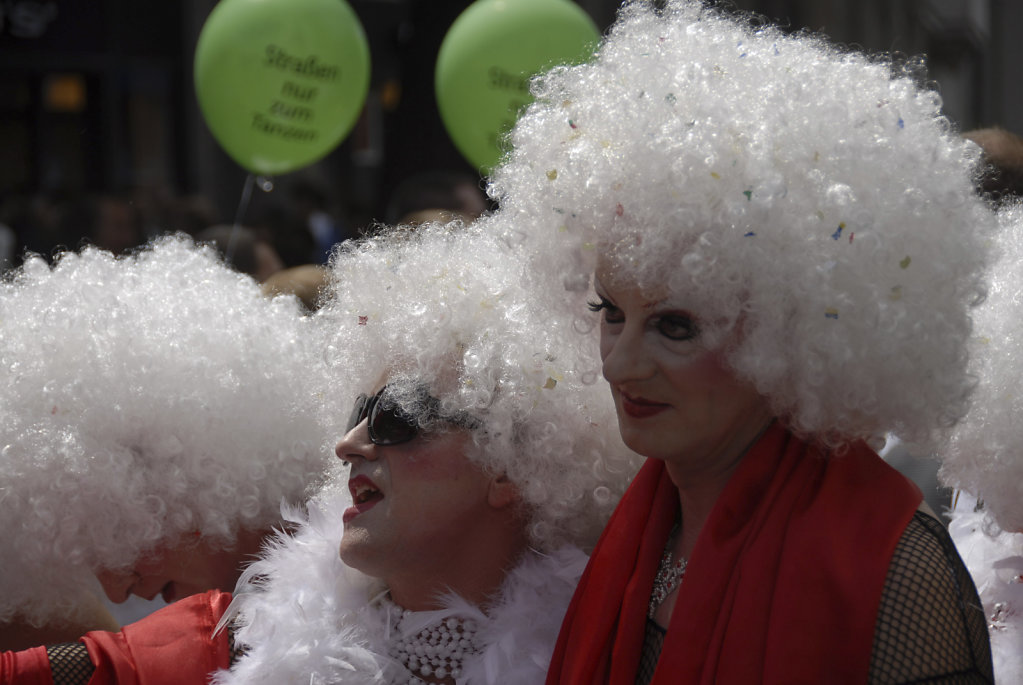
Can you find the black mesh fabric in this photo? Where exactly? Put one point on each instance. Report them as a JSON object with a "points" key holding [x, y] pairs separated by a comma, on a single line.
{"points": [[653, 640], [69, 664], [236, 650], [930, 626]]}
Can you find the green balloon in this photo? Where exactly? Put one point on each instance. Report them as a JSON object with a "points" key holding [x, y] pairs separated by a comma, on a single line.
{"points": [[487, 59], [281, 82]]}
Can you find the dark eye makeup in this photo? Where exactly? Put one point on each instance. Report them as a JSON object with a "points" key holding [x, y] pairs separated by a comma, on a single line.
{"points": [[677, 327], [611, 313], [671, 326]]}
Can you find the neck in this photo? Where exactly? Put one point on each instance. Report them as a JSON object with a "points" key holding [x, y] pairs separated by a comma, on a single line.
{"points": [[474, 571], [698, 490]]}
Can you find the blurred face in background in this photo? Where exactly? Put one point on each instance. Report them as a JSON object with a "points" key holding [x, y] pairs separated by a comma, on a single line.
{"points": [[187, 567]]}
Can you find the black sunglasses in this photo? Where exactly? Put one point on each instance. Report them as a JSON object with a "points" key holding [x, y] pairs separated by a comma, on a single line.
{"points": [[390, 425]]}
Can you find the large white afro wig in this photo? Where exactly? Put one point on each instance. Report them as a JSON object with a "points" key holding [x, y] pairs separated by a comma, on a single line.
{"points": [[146, 399], [985, 456], [810, 206], [450, 309]]}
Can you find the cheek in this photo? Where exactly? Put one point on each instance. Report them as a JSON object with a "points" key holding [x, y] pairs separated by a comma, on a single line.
{"points": [[154, 565], [441, 461], [430, 468], [606, 342], [700, 368]]}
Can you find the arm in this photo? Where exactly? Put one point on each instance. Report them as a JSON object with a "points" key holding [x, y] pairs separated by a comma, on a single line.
{"points": [[18, 634], [172, 646]]}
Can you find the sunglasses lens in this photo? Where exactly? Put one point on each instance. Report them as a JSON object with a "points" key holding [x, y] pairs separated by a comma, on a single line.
{"points": [[389, 426], [358, 412]]}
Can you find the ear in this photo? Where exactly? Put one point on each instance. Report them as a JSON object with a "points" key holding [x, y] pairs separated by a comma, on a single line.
{"points": [[502, 492]]}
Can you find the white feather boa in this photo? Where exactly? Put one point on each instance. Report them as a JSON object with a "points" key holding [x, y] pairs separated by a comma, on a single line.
{"points": [[995, 560], [305, 617]]}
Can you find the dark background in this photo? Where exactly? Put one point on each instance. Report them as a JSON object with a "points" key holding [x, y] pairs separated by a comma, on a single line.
{"points": [[96, 97]]}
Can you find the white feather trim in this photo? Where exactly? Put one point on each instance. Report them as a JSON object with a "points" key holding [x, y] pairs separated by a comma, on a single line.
{"points": [[305, 617], [995, 560]]}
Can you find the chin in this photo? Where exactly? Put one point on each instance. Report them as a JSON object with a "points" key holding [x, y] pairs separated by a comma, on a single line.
{"points": [[649, 441], [359, 555]]}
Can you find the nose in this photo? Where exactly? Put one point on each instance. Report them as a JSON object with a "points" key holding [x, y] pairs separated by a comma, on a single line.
{"points": [[117, 584], [356, 444], [625, 355]]}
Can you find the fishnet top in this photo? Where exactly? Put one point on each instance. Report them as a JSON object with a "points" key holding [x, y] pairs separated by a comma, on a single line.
{"points": [[930, 624]]}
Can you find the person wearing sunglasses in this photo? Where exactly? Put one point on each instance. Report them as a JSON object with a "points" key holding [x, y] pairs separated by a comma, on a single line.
{"points": [[478, 462], [481, 458]]}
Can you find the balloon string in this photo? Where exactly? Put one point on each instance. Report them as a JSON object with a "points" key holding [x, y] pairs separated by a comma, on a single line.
{"points": [[243, 205]]}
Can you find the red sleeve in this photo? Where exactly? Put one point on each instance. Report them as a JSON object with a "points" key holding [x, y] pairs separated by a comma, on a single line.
{"points": [[173, 646], [27, 667]]}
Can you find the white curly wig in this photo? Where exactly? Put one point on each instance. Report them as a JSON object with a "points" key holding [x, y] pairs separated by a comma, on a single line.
{"points": [[985, 455], [448, 308], [810, 206], [145, 398]]}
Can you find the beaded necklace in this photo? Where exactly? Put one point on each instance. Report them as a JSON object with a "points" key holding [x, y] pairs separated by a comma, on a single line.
{"points": [[669, 574], [669, 577], [435, 651]]}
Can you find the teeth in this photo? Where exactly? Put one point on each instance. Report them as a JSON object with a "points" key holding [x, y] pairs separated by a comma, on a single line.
{"points": [[362, 493]]}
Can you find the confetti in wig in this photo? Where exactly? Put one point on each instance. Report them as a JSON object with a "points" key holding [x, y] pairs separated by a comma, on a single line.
{"points": [[447, 308], [985, 457], [810, 206], [145, 399]]}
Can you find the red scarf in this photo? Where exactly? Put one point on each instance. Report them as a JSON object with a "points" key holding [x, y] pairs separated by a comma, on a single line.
{"points": [[782, 586]]}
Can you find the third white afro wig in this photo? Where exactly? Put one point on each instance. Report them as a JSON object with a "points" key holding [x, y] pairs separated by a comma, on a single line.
{"points": [[448, 308], [985, 456], [145, 398], [814, 199]]}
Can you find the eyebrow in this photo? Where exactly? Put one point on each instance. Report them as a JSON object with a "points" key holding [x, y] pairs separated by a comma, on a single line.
{"points": [[647, 306]]}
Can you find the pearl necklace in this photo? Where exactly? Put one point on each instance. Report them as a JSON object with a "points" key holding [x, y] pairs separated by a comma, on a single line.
{"points": [[668, 578], [435, 651]]}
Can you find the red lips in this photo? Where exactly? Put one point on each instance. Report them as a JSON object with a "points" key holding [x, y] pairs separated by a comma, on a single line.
{"points": [[365, 495], [641, 408]]}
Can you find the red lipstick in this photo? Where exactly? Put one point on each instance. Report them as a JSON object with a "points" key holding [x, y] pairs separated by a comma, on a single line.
{"points": [[365, 495], [640, 408]]}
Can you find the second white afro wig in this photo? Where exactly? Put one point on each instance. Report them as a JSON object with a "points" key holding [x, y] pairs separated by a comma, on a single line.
{"points": [[810, 206], [449, 308], [145, 398]]}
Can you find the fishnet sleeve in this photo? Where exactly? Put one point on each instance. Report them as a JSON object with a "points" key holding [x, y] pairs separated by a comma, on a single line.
{"points": [[70, 664], [930, 625]]}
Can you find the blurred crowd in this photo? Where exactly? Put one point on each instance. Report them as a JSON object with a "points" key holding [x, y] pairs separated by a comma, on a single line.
{"points": [[282, 237]]}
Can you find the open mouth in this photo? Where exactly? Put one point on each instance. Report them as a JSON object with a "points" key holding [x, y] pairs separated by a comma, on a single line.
{"points": [[365, 495], [364, 492]]}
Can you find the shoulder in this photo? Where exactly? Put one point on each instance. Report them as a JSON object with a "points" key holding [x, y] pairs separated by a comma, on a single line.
{"points": [[930, 622]]}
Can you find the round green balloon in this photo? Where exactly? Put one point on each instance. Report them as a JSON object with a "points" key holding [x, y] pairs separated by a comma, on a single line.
{"points": [[487, 59], [281, 82]]}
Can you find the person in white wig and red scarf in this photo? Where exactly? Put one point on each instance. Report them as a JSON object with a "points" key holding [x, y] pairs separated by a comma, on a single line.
{"points": [[785, 247]]}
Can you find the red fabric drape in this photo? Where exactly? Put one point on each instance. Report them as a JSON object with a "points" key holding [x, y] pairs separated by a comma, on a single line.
{"points": [[783, 584], [27, 667]]}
